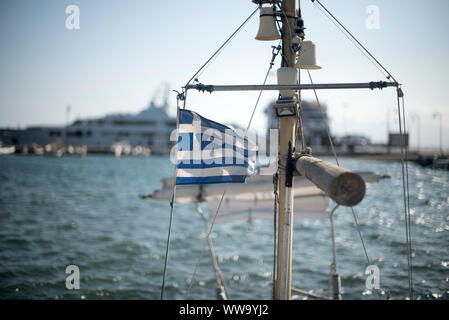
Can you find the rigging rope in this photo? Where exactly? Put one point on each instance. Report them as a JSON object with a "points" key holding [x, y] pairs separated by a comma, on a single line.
{"points": [[204, 246], [404, 147], [299, 128], [172, 204], [354, 40], [214, 55], [360, 235], [333, 266], [183, 96], [326, 126], [400, 95], [275, 53], [218, 273], [338, 164], [168, 245], [275, 209], [222, 46], [408, 201]]}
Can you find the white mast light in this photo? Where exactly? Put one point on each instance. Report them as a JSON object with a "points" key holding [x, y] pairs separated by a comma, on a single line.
{"points": [[307, 57], [267, 26]]}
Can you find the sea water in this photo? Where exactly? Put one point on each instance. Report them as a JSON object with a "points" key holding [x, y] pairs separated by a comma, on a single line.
{"points": [[86, 212]]}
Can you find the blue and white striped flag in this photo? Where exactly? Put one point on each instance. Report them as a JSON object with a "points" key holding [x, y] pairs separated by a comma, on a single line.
{"points": [[209, 152]]}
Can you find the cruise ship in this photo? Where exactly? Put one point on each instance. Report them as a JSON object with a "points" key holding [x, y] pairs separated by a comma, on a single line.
{"points": [[149, 129]]}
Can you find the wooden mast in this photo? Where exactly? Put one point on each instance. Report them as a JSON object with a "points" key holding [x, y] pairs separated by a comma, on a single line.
{"points": [[287, 129]]}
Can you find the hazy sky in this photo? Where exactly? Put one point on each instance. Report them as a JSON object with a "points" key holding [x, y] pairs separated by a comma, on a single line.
{"points": [[125, 50]]}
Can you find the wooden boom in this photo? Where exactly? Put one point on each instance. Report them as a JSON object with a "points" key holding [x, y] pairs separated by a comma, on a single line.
{"points": [[344, 186]]}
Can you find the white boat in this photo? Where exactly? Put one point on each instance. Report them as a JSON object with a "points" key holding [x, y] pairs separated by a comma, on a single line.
{"points": [[7, 150]]}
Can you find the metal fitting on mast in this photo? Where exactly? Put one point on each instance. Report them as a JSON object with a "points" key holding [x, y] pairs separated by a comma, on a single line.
{"points": [[290, 166]]}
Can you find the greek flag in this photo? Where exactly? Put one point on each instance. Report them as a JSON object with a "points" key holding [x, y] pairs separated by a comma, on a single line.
{"points": [[210, 152]]}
